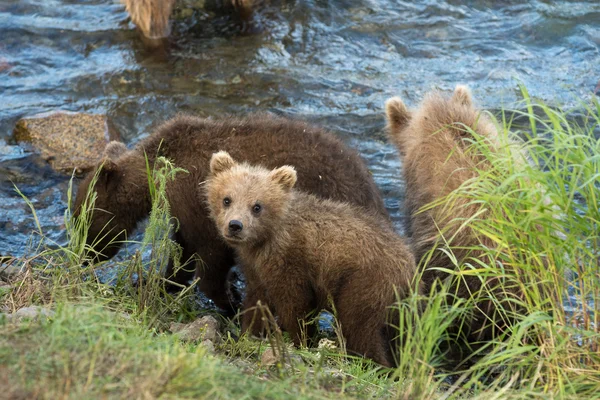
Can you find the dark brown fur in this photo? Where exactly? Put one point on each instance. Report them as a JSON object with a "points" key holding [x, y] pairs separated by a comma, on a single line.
{"points": [[303, 252], [438, 159], [326, 167]]}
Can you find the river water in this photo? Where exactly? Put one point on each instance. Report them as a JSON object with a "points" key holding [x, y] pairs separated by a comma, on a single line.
{"points": [[332, 62]]}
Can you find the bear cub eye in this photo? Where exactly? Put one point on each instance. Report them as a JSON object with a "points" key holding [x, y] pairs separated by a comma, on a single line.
{"points": [[256, 208], [226, 201]]}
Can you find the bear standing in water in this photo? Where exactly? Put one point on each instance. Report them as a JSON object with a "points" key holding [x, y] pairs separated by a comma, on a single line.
{"points": [[438, 157], [326, 167], [305, 252], [152, 16]]}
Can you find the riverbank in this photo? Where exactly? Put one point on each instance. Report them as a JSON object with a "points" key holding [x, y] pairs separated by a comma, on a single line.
{"points": [[114, 339]]}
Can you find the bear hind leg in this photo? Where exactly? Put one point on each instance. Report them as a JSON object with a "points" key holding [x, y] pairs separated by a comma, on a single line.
{"points": [[365, 336]]}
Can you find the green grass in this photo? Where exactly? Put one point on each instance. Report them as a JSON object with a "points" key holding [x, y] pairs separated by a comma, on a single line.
{"points": [[542, 216], [542, 219], [87, 351]]}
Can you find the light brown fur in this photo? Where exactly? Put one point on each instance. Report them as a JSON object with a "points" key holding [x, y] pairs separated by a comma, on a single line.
{"points": [[152, 16], [438, 159], [303, 252]]}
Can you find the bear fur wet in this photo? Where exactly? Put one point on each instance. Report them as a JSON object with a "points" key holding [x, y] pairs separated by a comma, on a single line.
{"points": [[435, 144], [307, 253], [325, 166], [152, 16]]}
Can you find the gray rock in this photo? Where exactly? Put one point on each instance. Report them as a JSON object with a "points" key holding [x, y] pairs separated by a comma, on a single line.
{"points": [[67, 140], [30, 313], [202, 329], [8, 271], [209, 346], [269, 358]]}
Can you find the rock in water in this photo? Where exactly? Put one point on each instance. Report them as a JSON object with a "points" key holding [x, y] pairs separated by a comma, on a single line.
{"points": [[67, 140]]}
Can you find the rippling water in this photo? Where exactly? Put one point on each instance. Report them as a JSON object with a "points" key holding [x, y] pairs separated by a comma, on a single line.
{"points": [[333, 62]]}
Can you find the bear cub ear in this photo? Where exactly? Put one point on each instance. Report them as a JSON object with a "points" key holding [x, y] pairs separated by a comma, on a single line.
{"points": [[397, 113], [462, 95], [220, 162], [114, 150], [285, 176]]}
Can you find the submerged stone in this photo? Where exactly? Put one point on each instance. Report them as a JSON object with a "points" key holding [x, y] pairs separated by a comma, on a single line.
{"points": [[68, 141]]}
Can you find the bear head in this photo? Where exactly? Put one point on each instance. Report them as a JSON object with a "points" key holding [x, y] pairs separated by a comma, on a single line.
{"points": [[405, 127], [247, 203]]}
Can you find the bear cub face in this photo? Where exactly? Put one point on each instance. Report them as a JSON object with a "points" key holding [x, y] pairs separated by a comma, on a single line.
{"points": [[247, 203]]}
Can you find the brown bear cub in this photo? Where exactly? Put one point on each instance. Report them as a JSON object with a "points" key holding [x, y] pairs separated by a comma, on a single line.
{"points": [[306, 253], [325, 165], [437, 159]]}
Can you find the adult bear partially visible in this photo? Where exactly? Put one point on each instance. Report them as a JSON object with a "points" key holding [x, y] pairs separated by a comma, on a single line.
{"points": [[326, 167], [438, 157], [152, 16]]}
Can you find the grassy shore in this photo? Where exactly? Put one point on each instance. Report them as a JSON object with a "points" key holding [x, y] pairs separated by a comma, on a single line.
{"points": [[542, 214]]}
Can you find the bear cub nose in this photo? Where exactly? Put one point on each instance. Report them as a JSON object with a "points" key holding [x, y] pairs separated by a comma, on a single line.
{"points": [[235, 226]]}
